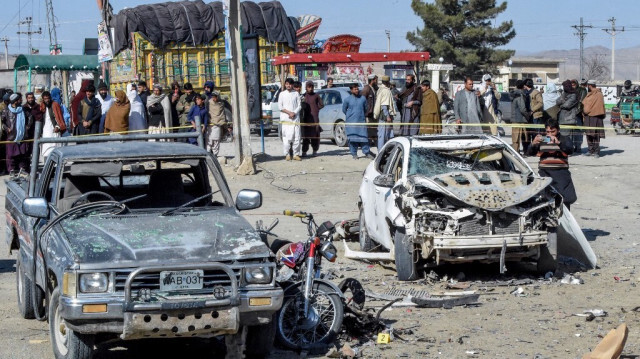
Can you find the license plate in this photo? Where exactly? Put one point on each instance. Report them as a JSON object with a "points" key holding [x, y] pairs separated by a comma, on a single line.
{"points": [[181, 280]]}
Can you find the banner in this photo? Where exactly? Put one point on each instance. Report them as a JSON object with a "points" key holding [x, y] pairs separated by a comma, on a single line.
{"points": [[105, 53], [227, 31]]}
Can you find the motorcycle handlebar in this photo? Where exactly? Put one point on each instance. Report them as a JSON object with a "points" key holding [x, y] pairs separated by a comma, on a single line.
{"points": [[297, 214]]}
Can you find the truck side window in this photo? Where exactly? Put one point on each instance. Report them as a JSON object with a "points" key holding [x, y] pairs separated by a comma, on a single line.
{"points": [[49, 183]]}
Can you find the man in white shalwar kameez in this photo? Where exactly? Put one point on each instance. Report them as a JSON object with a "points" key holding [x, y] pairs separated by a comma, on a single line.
{"points": [[105, 101], [289, 104]]}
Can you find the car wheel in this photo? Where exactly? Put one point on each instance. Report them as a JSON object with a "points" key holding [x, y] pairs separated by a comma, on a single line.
{"points": [[67, 344], [366, 243], [405, 253], [23, 286], [339, 134], [547, 260], [260, 338]]}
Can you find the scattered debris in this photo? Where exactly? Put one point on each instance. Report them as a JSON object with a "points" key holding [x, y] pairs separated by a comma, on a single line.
{"points": [[459, 285], [348, 229], [447, 303], [611, 345], [348, 352], [519, 292], [591, 314], [371, 256], [569, 279]]}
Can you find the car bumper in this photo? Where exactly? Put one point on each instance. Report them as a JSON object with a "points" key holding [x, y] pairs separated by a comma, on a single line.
{"points": [[177, 319], [487, 248]]}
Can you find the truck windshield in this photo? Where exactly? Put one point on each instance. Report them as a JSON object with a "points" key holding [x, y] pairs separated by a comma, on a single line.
{"points": [[158, 183]]}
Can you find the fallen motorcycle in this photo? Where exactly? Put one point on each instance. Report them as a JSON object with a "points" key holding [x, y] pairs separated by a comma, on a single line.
{"points": [[313, 308]]}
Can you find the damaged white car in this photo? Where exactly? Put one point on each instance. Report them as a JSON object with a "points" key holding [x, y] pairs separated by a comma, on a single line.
{"points": [[433, 199]]}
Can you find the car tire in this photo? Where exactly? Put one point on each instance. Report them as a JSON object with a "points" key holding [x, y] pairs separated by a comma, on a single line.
{"points": [[66, 343], [404, 252], [548, 254], [260, 338], [23, 287], [366, 243], [339, 134]]}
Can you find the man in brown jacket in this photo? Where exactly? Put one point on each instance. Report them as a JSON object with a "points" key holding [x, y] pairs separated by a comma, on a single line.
{"points": [[217, 121], [593, 109], [430, 122]]}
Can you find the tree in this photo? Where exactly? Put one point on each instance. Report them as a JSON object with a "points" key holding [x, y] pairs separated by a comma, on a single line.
{"points": [[596, 67], [461, 32]]}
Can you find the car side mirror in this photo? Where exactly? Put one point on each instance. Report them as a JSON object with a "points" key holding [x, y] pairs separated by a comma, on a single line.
{"points": [[248, 199], [35, 207], [384, 181]]}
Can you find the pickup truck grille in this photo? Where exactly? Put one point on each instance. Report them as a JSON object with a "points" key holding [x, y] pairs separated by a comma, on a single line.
{"points": [[212, 278]]}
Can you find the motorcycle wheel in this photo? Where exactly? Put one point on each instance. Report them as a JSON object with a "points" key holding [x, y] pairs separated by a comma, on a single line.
{"points": [[297, 331]]}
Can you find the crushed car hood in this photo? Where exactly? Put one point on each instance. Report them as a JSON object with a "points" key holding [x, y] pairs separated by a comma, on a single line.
{"points": [[488, 190], [209, 235]]}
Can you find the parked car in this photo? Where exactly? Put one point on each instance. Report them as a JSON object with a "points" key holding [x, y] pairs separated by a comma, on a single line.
{"points": [[138, 240], [504, 107], [456, 198], [331, 116]]}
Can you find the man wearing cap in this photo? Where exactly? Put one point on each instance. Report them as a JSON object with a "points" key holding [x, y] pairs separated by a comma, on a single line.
{"points": [[594, 113], [384, 110], [289, 104], [89, 113], [490, 97], [369, 93], [217, 121], [184, 105], [16, 124], [105, 101]]}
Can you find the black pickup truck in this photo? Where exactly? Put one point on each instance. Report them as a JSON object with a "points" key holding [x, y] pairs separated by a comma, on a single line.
{"points": [[138, 240]]}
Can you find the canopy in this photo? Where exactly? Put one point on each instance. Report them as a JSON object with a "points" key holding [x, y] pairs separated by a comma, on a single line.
{"points": [[57, 62]]}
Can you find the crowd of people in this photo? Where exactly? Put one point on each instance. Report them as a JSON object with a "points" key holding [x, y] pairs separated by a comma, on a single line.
{"points": [[91, 112]]}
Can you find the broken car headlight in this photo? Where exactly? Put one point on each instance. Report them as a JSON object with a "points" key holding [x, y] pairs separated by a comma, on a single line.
{"points": [[258, 275], [329, 251], [94, 282]]}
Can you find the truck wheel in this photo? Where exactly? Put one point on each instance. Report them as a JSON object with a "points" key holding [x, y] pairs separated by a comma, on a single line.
{"points": [[67, 344], [404, 256], [260, 339], [23, 285], [366, 243], [339, 134]]}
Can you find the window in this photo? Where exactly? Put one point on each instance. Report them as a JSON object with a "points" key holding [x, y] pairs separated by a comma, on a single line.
{"points": [[384, 157], [429, 162], [333, 98]]}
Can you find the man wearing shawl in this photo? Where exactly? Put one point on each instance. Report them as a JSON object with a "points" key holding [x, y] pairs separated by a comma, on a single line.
{"points": [[159, 108], [466, 106], [569, 108], [56, 96], [384, 110], [411, 100], [137, 116], [117, 118], [53, 123], [75, 100], [16, 124], [490, 97], [430, 122], [594, 114], [89, 113], [105, 101]]}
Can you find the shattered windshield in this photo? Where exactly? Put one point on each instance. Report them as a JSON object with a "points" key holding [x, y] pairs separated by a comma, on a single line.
{"points": [[430, 162]]}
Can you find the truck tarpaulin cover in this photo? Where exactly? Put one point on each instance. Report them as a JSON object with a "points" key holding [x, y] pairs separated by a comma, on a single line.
{"points": [[197, 23]]}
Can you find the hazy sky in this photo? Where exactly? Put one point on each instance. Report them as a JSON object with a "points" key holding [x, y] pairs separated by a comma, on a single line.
{"points": [[540, 25]]}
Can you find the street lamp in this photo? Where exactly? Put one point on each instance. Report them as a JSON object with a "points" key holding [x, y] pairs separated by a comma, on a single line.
{"points": [[441, 59]]}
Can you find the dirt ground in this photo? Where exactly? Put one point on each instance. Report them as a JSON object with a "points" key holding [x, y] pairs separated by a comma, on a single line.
{"points": [[540, 322]]}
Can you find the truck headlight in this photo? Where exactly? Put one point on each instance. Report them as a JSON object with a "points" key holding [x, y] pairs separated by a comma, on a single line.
{"points": [[257, 275], [94, 283]]}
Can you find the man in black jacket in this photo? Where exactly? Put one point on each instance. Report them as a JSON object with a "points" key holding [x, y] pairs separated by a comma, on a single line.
{"points": [[89, 113]]}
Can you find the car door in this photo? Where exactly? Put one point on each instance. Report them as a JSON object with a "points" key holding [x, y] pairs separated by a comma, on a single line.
{"points": [[331, 112], [384, 198], [369, 189]]}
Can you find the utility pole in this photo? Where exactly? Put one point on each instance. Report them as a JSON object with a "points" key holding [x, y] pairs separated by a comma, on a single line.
{"points": [[241, 130], [388, 32], [581, 34], [6, 52], [613, 31], [28, 21], [54, 48]]}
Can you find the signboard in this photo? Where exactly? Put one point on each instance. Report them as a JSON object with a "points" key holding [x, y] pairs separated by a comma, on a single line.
{"points": [[440, 67], [398, 67], [610, 94], [105, 53], [251, 54]]}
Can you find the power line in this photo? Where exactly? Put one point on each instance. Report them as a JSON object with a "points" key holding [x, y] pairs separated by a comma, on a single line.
{"points": [[581, 34]]}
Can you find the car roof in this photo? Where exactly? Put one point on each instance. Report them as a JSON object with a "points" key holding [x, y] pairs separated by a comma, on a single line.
{"points": [[120, 150], [449, 141]]}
